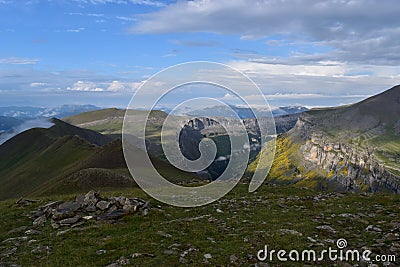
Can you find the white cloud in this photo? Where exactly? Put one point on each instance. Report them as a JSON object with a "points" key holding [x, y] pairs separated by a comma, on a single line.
{"points": [[124, 18], [18, 61], [76, 30], [114, 86], [134, 2], [37, 84], [282, 69], [169, 55], [362, 31], [85, 86]]}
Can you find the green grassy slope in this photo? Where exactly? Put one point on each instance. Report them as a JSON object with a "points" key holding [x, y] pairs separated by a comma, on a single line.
{"points": [[109, 121], [65, 158], [233, 237], [39, 159]]}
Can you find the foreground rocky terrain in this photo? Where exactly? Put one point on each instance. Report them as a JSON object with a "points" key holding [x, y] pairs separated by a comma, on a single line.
{"points": [[228, 232]]}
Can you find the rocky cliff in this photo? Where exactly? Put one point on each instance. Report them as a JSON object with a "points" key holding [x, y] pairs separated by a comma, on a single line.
{"points": [[349, 167], [356, 147]]}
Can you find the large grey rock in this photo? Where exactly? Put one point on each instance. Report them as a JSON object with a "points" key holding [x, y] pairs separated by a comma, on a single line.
{"points": [[91, 198], [114, 215], [62, 214], [73, 206], [103, 205]]}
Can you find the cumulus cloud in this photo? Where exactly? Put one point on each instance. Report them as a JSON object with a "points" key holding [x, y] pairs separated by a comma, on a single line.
{"points": [[365, 31], [85, 86], [114, 86]]}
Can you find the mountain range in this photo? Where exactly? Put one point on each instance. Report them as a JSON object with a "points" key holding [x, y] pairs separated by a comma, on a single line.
{"points": [[243, 112], [348, 148]]}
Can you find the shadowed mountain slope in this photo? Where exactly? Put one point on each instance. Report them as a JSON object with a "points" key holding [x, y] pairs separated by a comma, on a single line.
{"points": [[66, 159]]}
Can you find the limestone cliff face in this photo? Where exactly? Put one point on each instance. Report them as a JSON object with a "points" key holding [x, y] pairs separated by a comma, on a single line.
{"points": [[350, 167]]}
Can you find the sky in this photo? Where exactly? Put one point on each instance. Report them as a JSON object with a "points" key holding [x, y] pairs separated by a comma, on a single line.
{"points": [[99, 52]]}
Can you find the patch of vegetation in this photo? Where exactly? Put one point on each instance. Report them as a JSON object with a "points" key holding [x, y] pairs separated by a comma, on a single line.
{"points": [[232, 230]]}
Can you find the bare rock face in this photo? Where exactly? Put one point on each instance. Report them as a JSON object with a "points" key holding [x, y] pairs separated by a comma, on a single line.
{"points": [[351, 167], [87, 207]]}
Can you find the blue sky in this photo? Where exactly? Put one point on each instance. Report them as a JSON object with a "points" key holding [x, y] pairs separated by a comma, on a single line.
{"points": [[99, 52]]}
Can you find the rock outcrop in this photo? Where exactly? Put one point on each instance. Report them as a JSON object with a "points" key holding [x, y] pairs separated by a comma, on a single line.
{"points": [[353, 168], [90, 206]]}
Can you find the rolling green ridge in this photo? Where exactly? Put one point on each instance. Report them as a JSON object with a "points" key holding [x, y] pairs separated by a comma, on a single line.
{"points": [[65, 158]]}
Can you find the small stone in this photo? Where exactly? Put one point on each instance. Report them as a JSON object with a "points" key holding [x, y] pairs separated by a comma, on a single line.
{"points": [[373, 228], [311, 239], [186, 252], [101, 251], [52, 204], [327, 228], [219, 211], [136, 255], [347, 215], [130, 205], [123, 261], [32, 232], [41, 249], [120, 200], [207, 256], [69, 221], [59, 233], [233, 258], [164, 234], [39, 221], [290, 231], [54, 224], [169, 252], [77, 224]]}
